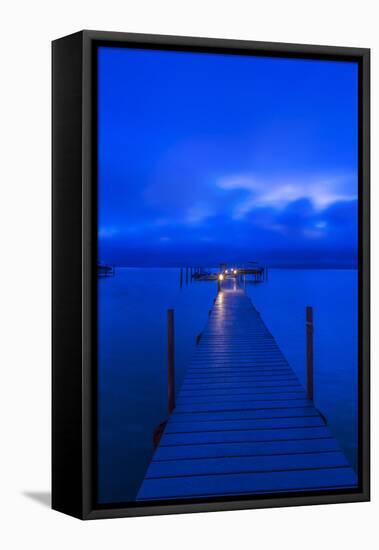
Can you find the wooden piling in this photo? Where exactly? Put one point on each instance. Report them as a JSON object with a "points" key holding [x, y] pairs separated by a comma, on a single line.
{"points": [[170, 360], [309, 332]]}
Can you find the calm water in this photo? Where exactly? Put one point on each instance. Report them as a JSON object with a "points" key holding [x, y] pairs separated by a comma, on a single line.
{"points": [[133, 359]]}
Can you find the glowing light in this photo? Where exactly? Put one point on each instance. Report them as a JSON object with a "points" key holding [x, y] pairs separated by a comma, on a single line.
{"points": [[226, 271], [235, 271], [221, 277]]}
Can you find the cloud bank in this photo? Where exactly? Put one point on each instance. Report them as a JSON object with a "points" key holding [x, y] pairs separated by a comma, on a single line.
{"points": [[208, 159]]}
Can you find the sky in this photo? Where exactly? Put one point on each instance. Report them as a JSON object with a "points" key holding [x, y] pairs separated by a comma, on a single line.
{"points": [[209, 158]]}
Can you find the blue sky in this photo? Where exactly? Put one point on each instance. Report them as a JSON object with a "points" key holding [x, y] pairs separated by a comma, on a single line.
{"points": [[206, 158]]}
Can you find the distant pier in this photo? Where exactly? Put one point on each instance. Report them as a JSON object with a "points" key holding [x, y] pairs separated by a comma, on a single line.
{"points": [[254, 273]]}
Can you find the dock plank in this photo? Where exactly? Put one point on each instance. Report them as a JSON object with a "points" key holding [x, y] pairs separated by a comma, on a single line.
{"points": [[217, 425], [250, 464], [233, 436], [246, 449], [247, 483]]}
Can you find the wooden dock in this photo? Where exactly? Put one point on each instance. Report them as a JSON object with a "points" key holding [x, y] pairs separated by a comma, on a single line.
{"points": [[242, 423]]}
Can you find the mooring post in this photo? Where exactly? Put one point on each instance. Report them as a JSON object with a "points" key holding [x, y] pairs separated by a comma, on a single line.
{"points": [[170, 360], [181, 277], [309, 331]]}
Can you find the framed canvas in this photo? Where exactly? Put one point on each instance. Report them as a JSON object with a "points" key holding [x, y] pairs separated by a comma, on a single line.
{"points": [[210, 274]]}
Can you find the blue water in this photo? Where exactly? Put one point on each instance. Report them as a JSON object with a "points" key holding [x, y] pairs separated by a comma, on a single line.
{"points": [[132, 380]]}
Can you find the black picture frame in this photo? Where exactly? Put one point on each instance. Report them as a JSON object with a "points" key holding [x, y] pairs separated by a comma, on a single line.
{"points": [[74, 270]]}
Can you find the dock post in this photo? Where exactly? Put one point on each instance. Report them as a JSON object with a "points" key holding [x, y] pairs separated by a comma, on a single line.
{"points": [[181, 277], [170, 360], [309, 331]]}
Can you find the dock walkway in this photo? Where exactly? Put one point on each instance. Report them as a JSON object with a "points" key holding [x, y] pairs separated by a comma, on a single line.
{"points": [[242, 423]]}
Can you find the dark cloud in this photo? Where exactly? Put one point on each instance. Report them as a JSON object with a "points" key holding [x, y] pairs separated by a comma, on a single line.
{"points": [[296, 234]]}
